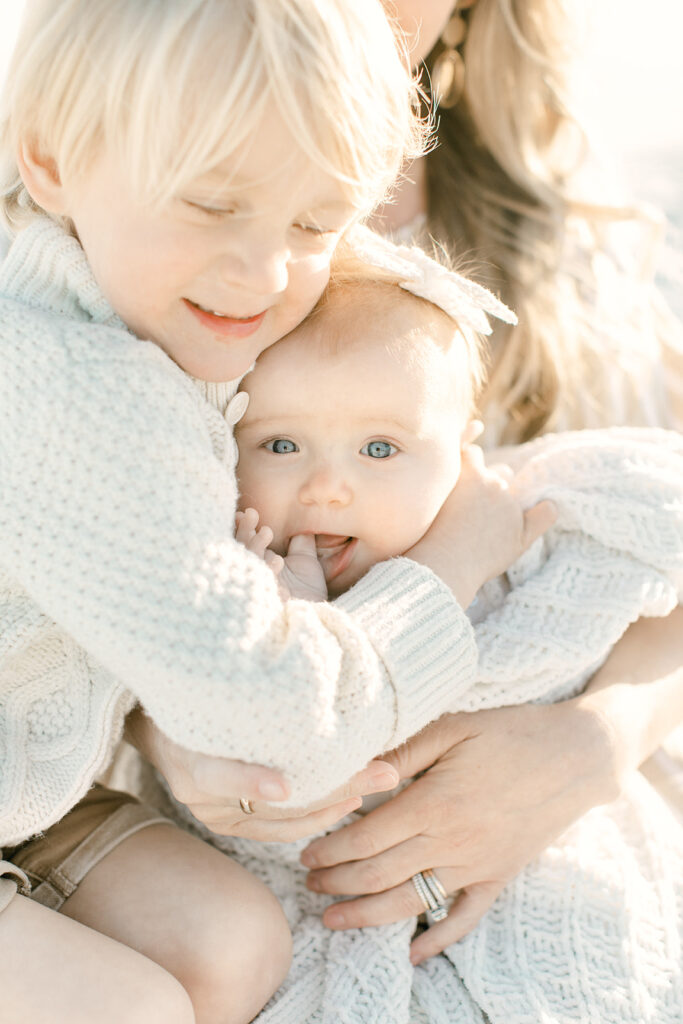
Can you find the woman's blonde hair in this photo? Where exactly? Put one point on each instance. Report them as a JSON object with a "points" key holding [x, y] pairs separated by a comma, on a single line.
{"points": [[174, 87], [502, 188]]}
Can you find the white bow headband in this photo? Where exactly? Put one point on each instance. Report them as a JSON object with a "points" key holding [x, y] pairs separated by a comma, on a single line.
{"points": [[466, 302]]}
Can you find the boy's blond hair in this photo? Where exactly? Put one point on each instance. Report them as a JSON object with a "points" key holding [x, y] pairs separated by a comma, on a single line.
{"points": [[174, 87]]}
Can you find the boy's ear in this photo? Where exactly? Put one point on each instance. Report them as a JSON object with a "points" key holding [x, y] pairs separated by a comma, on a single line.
{"points": [[40, 175]]}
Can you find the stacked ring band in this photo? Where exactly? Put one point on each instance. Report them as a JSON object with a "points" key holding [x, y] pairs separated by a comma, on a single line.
{"points": [[246, 805], [432, 894]]}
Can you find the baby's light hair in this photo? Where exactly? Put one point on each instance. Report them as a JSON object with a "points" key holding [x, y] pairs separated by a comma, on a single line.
{"points": [[175, 87], [358, 286]]}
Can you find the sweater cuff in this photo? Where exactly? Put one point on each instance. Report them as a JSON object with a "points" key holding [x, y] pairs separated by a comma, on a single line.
{"points": [[423, 636]]}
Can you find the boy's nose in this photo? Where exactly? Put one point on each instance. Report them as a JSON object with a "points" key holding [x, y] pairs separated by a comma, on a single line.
{"points": [[325, 487], [259, 269]]}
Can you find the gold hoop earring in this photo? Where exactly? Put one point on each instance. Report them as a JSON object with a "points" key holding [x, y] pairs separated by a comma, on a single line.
{"points": [[448, 73]]}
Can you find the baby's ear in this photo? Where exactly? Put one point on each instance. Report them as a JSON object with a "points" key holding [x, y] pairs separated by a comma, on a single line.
{"points": [[41, 177], [473, 430]]}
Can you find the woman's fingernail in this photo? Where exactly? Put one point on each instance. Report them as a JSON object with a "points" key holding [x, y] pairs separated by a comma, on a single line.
{"points": [[308, 859], [270, 790], [335, 919], [313, 883]]}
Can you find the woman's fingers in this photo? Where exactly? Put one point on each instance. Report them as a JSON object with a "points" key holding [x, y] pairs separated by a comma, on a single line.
{"points": [[385, 907], [383, 828], [427, 746], [377, 777], [370, 911], [469, 907], [377, 874]]}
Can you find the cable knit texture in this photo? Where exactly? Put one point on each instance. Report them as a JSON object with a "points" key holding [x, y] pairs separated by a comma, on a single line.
{"points": [[592, 931], [120, 578]]}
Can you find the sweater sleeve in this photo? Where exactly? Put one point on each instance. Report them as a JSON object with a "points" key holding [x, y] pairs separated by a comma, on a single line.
{"points": [[117, 518]]}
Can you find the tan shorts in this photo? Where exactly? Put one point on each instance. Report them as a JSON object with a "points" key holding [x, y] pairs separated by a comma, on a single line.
{"points": [[58, 860]]}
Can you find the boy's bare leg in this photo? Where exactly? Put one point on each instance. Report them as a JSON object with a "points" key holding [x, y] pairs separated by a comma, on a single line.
{"points": [[194, 912], [56, 971]]}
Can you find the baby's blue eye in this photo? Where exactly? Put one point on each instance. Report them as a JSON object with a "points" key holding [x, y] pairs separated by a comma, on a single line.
{"points": [[378, 449], [281, 446]]}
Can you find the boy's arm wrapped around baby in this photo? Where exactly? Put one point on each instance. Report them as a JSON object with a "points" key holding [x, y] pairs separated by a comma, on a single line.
{"points": [[614, 555], [121, 580]]}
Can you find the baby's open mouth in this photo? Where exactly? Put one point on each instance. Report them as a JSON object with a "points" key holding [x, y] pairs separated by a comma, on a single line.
{"points": [[335, 552]]}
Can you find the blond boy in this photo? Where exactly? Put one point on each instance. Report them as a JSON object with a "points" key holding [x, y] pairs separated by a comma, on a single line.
{"points": [[175, 176]]}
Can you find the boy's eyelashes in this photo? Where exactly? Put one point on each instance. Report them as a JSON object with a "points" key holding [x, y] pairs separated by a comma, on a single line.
{"points": [[315, 229], [213, 210], [207, 208]]}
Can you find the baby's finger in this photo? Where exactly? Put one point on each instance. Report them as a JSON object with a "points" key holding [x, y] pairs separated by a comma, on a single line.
{"points": [[246, 523], [274, 562], [261, 540], [302, 544], [537, 520]]}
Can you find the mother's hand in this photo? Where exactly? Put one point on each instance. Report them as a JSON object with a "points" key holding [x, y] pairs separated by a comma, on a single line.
{"points": [[211, 787], [503, 785]]}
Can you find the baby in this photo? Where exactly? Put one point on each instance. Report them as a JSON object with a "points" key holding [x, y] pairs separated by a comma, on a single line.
{"points": [[355, 428]]}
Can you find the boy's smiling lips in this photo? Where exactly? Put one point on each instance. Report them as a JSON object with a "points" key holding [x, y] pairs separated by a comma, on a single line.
{"points": [[221, 323]]}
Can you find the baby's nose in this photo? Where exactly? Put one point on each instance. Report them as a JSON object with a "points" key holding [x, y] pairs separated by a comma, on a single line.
{"points": [[324, 486]]}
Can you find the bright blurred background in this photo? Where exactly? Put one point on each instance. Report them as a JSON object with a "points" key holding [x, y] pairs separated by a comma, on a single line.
{"points": [[633, 87]]}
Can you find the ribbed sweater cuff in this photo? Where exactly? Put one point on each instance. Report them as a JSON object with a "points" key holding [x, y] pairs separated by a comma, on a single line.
{"points": [[422, 634]]}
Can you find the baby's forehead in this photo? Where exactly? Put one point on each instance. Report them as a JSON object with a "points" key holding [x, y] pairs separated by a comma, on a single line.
{"points": [[354, 320], [354, 361]]}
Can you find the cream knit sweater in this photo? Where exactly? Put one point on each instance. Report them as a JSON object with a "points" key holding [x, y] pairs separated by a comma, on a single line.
{"points": [[120, 579]]}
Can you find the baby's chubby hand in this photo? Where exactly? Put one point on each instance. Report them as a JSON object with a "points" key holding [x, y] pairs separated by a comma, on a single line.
{"points": [[302, 574], [299, 573], [257, 539], [481, 529]]}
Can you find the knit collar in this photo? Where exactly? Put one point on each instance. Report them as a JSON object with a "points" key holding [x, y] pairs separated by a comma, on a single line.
{"points": [[46, 268]]}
